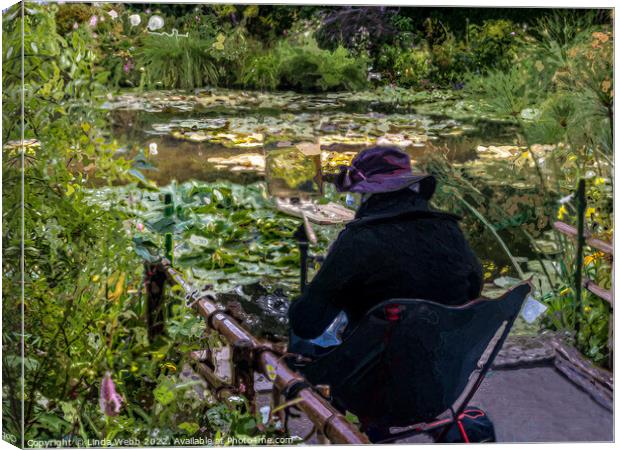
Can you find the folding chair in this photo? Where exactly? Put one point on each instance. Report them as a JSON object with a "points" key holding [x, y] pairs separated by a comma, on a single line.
{"points": [[416, 364]]}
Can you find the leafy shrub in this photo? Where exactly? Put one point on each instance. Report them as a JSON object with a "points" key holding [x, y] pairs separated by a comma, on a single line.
{"points": [[492, 45], [451, 61], [406, 67], [71, 13], [263, 72], [305, 67], [413, 66], [179, 62]]}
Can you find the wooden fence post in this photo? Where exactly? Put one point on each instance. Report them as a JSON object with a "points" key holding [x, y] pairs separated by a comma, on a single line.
{"points": [[168, 212], [581, 211], [154, 284]]}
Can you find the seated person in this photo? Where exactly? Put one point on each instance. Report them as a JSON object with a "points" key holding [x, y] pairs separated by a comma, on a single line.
{"points": [[397, 247]]}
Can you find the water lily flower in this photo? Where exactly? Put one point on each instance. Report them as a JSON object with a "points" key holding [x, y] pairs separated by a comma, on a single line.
{"points": [[109, 400], [153, 148], [135, 20], [113, 14], [155, 23], [93, 21]]}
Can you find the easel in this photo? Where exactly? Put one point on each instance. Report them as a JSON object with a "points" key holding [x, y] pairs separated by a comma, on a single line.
{"points": [[307, 209]]}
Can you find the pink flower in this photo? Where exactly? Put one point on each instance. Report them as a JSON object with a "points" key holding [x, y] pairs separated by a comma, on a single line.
{"points": [[93, 21], [128, 66], [140, 226], [109, 400]]}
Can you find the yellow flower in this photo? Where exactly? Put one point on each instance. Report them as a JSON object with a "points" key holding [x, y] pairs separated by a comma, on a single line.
{"points": [[95, 278], [169, 366], [562, 212], [593, 257], [565, 291], [598, 181], [590, 212]]}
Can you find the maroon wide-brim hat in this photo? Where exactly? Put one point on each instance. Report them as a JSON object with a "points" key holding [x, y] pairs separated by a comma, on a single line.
{"points": [[382, 169]]}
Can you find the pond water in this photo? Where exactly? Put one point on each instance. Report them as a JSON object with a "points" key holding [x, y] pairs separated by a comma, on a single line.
{"points": [[196, 134]]}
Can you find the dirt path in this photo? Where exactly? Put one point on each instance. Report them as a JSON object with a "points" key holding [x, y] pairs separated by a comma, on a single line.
{"points": [[536, 404]]}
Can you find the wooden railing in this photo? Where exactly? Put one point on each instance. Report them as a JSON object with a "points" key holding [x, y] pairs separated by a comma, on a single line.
{"points": [[598, 244], [250, 354], [583, 237]]}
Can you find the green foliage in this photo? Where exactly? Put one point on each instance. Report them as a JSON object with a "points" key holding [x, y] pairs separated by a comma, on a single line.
{"points": [[407, 68], [451, 61], [506, 93], [559, 91], [84, 315], [179, 62], [66, 242], [305, 67], [72, 13], [492, 45]]}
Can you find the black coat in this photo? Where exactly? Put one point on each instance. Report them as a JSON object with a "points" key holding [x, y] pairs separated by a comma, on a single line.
{"points": [[395, 248]]}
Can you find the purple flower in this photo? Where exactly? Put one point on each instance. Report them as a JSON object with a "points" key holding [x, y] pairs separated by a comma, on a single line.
{"points": [[93, 21], [128, 66], [512, 33], [109, 400]]}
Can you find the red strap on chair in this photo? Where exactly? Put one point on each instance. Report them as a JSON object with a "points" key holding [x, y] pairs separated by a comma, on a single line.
{"points": [[462, 430], [392, 313]]}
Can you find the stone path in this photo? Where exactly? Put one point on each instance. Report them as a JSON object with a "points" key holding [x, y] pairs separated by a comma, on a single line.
{"points": [[539, 404], [535, 403]]}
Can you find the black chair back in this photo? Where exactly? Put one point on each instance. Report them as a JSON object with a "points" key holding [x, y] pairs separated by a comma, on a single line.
{"points": [[410, 360]]}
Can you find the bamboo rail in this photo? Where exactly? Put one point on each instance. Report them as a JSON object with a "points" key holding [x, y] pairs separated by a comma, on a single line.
{"points": [[571, 231], [253, 354]]}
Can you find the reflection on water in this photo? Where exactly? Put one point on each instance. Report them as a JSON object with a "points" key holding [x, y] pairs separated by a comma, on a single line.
{"points": [[191, 146]]}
